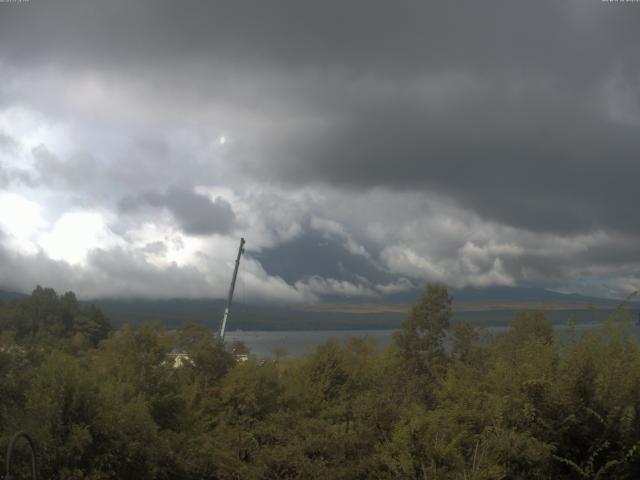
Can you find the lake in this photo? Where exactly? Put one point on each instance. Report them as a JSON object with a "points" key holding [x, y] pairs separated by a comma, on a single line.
{"points": [[298, 343]]}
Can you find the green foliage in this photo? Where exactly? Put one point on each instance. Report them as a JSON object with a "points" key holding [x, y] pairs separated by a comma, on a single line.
{"points": [[439, 403], [420, 340], [421, 334], [44, 318]]}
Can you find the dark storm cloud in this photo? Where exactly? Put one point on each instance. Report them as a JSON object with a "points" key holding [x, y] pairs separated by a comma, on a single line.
{"points": [[561, 164], [399, 37], [78, 172], [22, 273], [532, 101], [149, 162], [196, 214]]}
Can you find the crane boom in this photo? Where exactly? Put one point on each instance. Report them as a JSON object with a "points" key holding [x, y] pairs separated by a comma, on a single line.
{"points": [[227, 309]]}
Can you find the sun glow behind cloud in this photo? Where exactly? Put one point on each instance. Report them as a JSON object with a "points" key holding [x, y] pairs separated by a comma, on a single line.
{"points": [[21, 220], [75, 234]]}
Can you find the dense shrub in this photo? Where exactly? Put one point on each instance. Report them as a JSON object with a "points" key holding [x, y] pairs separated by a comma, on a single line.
{"points": [[520, 406]]}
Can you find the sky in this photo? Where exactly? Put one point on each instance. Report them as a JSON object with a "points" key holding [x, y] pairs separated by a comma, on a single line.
{"points": [[362, 148]]}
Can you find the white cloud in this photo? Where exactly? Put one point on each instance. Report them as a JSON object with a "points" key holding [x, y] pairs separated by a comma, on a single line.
{"points": [[317, 287], [401, 285], [75, 234], [20, 219], [332, 228], [403, 260]]}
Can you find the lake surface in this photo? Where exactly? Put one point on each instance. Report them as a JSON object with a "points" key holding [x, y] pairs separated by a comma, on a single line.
{"points": [[298, 343]]}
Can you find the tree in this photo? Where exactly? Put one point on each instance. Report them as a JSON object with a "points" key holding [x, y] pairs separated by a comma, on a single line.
{"points": [[528, 326], [210, 359], [421, 335], [58, 322], [465, 339]]}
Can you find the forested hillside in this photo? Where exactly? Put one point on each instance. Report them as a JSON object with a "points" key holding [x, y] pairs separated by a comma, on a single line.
{"points": [[110, 404]]}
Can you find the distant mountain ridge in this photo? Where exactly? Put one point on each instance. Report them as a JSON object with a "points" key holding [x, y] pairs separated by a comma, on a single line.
{"points": [[480, 306], [468, 294], [524, 295], [7, 296]]}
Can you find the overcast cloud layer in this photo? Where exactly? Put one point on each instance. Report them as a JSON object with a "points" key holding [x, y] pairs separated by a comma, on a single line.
{"points": [[362, 148]]}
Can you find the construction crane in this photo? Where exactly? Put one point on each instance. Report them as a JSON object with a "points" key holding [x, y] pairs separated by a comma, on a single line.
{"points": [[227, 309]]}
